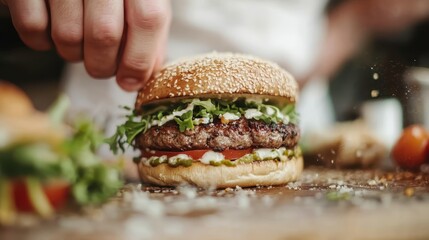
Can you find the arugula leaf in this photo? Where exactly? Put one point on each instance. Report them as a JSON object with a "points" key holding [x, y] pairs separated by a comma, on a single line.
{"points": [[207, 104], [132, 129], [185, 121], [57, 111], [289, 110], [95, 181], [126, 133], [95, 184]]}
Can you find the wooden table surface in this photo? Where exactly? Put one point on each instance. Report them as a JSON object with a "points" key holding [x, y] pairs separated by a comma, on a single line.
{"points": [[323, 204]]}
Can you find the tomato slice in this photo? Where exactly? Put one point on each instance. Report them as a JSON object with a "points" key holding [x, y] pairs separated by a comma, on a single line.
{"points": [[57, 194], [230, 154]]}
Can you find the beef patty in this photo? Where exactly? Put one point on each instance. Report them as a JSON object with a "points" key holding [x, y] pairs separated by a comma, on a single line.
{"points": [[240, 134]]}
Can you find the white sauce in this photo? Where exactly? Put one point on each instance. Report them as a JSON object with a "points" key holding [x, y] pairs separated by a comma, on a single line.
{"points": [[170, 117], [252, 113], [146, 161], [198, 121], [212, 156], [230, 116], [173, 160], [270, 111], [285, 119], [269, 153], [249, 114]]}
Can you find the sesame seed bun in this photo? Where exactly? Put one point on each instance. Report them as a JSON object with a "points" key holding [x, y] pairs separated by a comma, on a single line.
{"points": [[13, 101], [21, 123], [263, 173], [225, 74]]}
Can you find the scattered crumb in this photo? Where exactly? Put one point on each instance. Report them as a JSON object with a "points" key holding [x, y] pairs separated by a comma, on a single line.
{"points": [[372, 182], [409, 191]]}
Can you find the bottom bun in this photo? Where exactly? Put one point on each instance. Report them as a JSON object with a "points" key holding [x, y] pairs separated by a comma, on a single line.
{"points": [[258, 173]]}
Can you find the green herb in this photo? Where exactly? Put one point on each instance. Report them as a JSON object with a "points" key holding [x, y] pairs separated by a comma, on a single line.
{"points": [[182, 162], [228, 163], [215, 163]]}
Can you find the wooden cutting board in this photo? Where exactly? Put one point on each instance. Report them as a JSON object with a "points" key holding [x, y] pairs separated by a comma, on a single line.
{"points": [[323, 204]]}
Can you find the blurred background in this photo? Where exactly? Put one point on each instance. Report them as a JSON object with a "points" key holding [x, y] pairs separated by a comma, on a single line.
{"points": [[373, 54]]}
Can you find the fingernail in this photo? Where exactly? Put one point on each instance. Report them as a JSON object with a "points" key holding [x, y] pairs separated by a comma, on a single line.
{"points": [[130, 81], [129, 84]]}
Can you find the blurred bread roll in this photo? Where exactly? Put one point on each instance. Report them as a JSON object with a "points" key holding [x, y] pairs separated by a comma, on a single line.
{"points": [[345, 145], [20, 122], [13, 101]]}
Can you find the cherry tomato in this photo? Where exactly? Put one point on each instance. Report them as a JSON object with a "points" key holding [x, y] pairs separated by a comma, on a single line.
{"points": [[410, 151], [56, 193], [230, 154]]}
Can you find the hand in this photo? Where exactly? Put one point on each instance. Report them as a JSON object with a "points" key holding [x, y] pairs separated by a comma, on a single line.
{"points": [[122, 37]]}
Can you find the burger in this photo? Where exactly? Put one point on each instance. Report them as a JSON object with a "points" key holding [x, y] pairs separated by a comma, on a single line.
{"points": [[216, 120], [45, 164]]}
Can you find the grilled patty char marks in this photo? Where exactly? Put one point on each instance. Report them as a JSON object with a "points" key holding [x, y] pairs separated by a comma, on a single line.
{"points": [[240, 134]]}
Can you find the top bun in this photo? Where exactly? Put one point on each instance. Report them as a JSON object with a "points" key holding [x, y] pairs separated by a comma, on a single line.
{"points": [[219, 73], [13, 101], [20, 122]]}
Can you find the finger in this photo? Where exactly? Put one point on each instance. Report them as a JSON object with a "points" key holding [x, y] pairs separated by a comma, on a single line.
{"points": [[30, 18], [103, 29], [162, 49], [67, 28], [146, 21]]}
